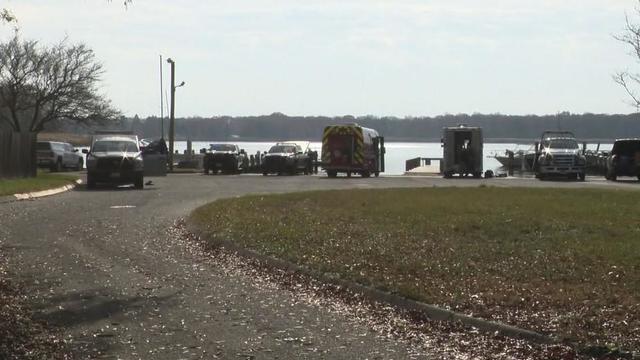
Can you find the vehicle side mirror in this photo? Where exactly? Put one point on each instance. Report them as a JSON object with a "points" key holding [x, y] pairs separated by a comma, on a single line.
{"points": [[84, 151]]}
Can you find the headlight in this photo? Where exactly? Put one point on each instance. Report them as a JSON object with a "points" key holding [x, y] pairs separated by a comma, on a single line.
{"points": [[138, 163]]}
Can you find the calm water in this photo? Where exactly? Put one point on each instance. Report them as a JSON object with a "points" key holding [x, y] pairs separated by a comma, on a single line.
{"points": [[396, 155]]}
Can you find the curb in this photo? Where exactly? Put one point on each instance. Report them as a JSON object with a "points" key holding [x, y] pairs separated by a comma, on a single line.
{"points": [[38, 194], [433, 312]]}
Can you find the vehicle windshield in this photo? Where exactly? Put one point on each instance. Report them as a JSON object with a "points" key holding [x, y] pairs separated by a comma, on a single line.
{"points": [[115, 146], [282, 149], [627, 148], [222, 147], [563, 144], [44, 146]]}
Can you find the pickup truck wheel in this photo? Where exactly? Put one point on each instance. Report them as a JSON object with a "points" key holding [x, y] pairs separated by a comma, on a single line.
{"points": [[57, 167], [139, 183], [91, 182]]}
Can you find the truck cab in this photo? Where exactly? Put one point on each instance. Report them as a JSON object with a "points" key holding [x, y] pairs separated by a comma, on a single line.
{"points": [[559, 155]]}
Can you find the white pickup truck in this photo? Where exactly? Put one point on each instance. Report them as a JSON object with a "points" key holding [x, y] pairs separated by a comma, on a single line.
{"points": [[559, 155]]}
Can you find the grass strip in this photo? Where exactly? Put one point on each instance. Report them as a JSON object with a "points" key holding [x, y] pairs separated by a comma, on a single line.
{"points": [[43, 181], [558, 261]]}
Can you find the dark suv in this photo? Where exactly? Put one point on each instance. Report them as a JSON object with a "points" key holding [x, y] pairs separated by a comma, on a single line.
{"points": [[624, 159], [115, 159], [287, 157], [58, 155], [227, 158]]}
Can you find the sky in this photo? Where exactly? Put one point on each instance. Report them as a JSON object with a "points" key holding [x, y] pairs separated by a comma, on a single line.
{"points": [[348, 57]]}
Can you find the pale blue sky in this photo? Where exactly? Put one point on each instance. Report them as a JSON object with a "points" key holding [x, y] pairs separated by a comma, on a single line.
{"points": [[357, 57]]}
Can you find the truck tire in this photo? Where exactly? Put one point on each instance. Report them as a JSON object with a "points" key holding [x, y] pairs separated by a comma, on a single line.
{"points": [[365, 174], [139, 182], [57, 167], [91, 182]]}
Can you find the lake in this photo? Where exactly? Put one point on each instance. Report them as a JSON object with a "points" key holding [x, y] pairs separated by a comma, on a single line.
{"points": [[396, 155]]}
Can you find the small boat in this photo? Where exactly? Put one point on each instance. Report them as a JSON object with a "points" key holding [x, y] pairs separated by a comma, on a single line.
{"points": [[518, 159]]}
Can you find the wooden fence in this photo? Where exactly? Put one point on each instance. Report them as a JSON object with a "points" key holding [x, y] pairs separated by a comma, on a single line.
{"points": [[17, 154]]}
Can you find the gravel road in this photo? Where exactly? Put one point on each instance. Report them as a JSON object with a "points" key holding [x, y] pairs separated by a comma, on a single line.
{"points": [[111, 271]]}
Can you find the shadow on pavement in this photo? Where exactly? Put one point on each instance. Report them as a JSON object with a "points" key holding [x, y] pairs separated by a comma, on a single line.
{"points": [[89, 306]]}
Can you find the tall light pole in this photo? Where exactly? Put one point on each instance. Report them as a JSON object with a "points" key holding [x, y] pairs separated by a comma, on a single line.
{"points": [[172, 119], [161, 104]]}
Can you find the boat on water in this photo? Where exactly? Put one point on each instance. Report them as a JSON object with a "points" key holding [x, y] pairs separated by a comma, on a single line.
{"points": [[519, 159]]}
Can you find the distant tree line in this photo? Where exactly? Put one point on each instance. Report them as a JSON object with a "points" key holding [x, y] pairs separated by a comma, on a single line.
{"points": [[278, 126]]}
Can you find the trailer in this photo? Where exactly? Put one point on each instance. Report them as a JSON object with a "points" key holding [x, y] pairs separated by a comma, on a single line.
{"points": [[462, 151], [352, 149]]}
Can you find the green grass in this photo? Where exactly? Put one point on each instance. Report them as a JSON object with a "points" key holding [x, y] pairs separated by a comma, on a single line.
{"points": [[43, 181], [559, 261]]}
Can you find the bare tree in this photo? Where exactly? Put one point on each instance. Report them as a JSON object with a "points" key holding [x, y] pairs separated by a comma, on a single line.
{"points": [[630, 81], [39, 84], [7, 16]]}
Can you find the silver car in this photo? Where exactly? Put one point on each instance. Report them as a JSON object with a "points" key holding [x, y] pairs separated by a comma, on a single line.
{"points": [[58, 156]]}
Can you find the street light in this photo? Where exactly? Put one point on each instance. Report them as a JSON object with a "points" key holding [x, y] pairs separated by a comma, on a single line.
{"points": [[172, 120]]}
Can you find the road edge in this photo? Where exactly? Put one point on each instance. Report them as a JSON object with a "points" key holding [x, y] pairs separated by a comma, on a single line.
{"points": [[431, 311], [39, 194]]}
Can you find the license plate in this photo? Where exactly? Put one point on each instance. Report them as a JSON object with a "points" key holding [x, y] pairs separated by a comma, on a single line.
{"points": [[115, 175]]}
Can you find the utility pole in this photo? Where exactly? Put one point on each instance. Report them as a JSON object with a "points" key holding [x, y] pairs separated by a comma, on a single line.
{"points": [[161, 104], [172, 119]]}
